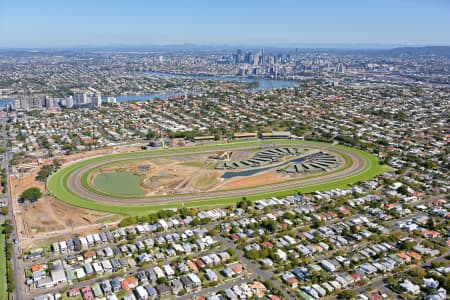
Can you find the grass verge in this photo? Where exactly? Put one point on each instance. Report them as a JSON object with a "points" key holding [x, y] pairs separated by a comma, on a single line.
{"points": [[3, 294]]}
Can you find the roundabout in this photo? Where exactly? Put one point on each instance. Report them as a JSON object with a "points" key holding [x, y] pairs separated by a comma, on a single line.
{"points": [[209, 176]]}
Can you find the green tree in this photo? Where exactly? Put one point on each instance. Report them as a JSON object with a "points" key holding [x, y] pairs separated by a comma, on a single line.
{"points": [[32, 194], [150, 135], [45, 172], [231, 251], [403, 190], [234, 229], [346, 294], [162, 280], [252, 254], [4, 210], [317, 223], [407, 245], [56, 164], [7, 228], [244, 204], [419, 272]]}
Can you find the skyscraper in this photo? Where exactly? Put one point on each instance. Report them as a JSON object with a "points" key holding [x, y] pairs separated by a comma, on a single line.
{"points": [[96, 100], [80, 99], [90, 98], [238, 56]]}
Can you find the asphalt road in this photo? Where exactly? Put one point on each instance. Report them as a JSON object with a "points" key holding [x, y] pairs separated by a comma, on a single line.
{"points": [[130, 271], [378, 281], [74, 180], [19, 276], [255, 268]]}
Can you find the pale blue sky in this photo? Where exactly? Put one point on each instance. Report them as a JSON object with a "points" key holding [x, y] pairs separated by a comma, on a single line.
{"points": [[53, 23]]}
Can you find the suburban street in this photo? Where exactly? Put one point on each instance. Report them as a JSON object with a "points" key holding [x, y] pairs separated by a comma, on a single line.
{"points": [[19, 276], [255, 268]]}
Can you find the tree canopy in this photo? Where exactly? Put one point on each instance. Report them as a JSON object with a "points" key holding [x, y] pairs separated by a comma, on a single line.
{"points": [[32, 194]]}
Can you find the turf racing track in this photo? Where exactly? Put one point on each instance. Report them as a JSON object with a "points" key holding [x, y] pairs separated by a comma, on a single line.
{"points": [[67, 184]]}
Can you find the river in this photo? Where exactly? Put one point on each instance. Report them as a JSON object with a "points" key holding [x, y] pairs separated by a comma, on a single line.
{"points": [[263, 84]]}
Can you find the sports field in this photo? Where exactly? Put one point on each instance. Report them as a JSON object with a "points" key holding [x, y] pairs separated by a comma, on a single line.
{"points": [[76, 190]]}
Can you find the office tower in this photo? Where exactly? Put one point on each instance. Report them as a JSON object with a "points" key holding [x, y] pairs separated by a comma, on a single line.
{"points": [[68, 102], [96, 99], [238, 56], [51, 102], [80, 99], [248, 58]]}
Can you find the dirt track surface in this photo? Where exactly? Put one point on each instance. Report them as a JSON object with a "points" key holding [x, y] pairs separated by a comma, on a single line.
{"points": [[74, 180]]}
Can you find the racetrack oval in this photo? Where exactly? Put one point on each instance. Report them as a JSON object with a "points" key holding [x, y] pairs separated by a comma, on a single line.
{"points": [[67, 184]]}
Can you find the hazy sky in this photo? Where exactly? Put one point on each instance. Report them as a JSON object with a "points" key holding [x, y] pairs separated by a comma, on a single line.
{"points": [[47, 23]]}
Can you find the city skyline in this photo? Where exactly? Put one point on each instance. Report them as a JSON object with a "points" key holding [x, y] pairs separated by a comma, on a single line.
{"points": [[289, 23]]}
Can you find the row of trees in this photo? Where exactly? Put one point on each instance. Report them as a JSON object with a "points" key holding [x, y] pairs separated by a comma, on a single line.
{"points": [[7, 230], [154, 217], [4, 180], [165, 214], [296, 129]]}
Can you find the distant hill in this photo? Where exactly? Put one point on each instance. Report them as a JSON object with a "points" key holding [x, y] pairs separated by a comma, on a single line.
{"points": [[363, 49], [426, 50]]}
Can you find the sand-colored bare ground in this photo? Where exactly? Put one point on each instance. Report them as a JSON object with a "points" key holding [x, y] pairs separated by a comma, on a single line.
{"points": [[251, 181], [95, 152], [49, 219], [241, 155]]}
